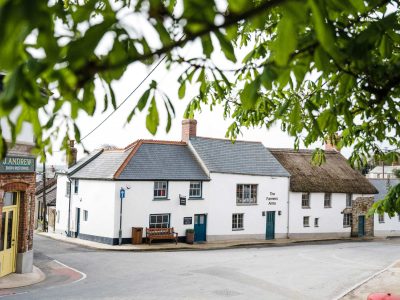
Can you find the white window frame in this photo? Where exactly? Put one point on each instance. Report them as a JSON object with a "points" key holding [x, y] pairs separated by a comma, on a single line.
{"points": [[306, 221], [159, 220], [381, 218], [85, 215], [328, 200], [316, 222], [349, 198], [305, 197], [158, 188], [76, 186], [250, 189], [347, 220], [197, 187], [237, 221]]}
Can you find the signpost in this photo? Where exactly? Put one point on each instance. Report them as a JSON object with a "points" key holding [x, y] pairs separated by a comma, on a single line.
{"points": [[121, 196]]}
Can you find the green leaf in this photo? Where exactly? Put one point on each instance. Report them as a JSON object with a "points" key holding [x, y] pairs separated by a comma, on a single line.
{"points": [[286, 40], [249, 95], [143, 100], [152, 119], [182, 90], [207, 45], [226, 46]]}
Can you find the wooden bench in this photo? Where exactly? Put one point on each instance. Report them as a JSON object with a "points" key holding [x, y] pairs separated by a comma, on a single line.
{"points": [[161, 234]]}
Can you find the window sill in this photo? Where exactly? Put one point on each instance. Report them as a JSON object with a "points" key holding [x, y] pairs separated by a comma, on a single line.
{"points": [[306, 207], [327, 206], [246, 204], [381, 222], [161, 199], [195, 198], [316, 226], [237, 229], [346, 226], [306, 225]]}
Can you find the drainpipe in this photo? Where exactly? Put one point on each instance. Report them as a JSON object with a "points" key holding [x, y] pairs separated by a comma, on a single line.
{"points": [[69, 207], [288, 208]]}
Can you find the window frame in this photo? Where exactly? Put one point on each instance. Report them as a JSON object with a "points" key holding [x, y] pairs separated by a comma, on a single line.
{"points": [[347, 222], [76, 186], [349, 199], [85, 215], [316, 222], [253, 189], [200, 189], [158, 189], [308, 199], [381, 218], [162, 215], [306, 224], [237, 218], [327, 200]]}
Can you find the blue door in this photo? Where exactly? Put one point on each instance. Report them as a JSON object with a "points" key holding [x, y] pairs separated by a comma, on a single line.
{"points": [[361, 226], [270, 233], [200, 225], [78, 221]]}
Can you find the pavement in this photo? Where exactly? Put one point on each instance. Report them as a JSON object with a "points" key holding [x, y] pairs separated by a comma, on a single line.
{"points": [[15, 280], [384, 281], [217, 245]]}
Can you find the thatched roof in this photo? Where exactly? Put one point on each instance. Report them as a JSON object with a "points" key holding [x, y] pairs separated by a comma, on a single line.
{"points": [[333, 176]]}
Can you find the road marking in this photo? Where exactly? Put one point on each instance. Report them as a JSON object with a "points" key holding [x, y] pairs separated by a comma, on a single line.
{"points": [[364, 281], [73, 269]]}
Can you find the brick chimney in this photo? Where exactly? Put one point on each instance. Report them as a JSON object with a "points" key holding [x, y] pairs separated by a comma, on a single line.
{"points": [[331, 143], [71, 154], [189, 128]]}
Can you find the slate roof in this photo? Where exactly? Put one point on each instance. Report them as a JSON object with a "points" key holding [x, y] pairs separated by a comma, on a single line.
{"points": [[82, 162], [102, 166], [241, 157], [333, 176], [51, 191], [153, 161], [142, 160], [383, 186]]}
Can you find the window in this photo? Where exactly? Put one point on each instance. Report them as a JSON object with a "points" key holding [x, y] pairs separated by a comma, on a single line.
{"points": [[305, 200], [68, 189], [347, 220], [160, 189], [348, 200], [76, 186], [237, 221], [159, 221], [85, 215], [246, 194], [306, 221], [328, 200], [58, 216], [195, 189], [381, 218], [316, 222]]}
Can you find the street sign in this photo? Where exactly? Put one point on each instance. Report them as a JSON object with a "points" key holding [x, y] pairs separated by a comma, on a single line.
{"points": [[122, 193]]}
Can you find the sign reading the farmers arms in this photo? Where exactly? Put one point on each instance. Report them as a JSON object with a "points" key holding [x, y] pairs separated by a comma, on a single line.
{"points": [[17, 164]]}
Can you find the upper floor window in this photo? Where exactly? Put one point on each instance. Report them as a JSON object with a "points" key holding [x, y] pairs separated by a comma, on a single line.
{"points": [[160, 189], [246, 194], [327, 200], [381, 218], [305, 200], [348, 200], [68, 189], [76, 186], [195, 189]]}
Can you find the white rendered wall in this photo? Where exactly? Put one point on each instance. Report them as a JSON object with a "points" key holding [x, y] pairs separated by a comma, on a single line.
{"points": [[61, 204], [390, 226], [223, 205], [330, 219]]}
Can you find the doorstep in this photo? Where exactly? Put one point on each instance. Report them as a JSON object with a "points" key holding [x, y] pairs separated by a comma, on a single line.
{"points": [[214, 245]]}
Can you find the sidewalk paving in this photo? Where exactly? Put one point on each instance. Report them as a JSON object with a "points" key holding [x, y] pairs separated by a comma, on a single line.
{"points": [[386, 281], [15, 280], [170, 246]]}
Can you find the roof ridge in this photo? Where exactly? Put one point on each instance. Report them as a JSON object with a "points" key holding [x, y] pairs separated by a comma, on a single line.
{"points": [[222, 139], [306, 151], [163, 142]]}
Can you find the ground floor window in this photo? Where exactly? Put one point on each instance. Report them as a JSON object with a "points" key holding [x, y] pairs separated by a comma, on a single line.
{"points": [[306, 221], [159, 221], [85, 215], [347, 219], [316, 222], [237, 221], [58, 216]]}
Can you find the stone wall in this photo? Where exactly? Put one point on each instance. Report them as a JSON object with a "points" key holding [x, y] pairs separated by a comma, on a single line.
{"points": [[360, 207]]}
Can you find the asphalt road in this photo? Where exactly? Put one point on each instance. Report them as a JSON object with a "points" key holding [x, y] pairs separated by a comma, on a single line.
{"points": [[317, 271]]}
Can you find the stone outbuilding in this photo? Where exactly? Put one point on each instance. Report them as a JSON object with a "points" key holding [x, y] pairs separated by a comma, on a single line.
{"points": [[362, 225]]}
